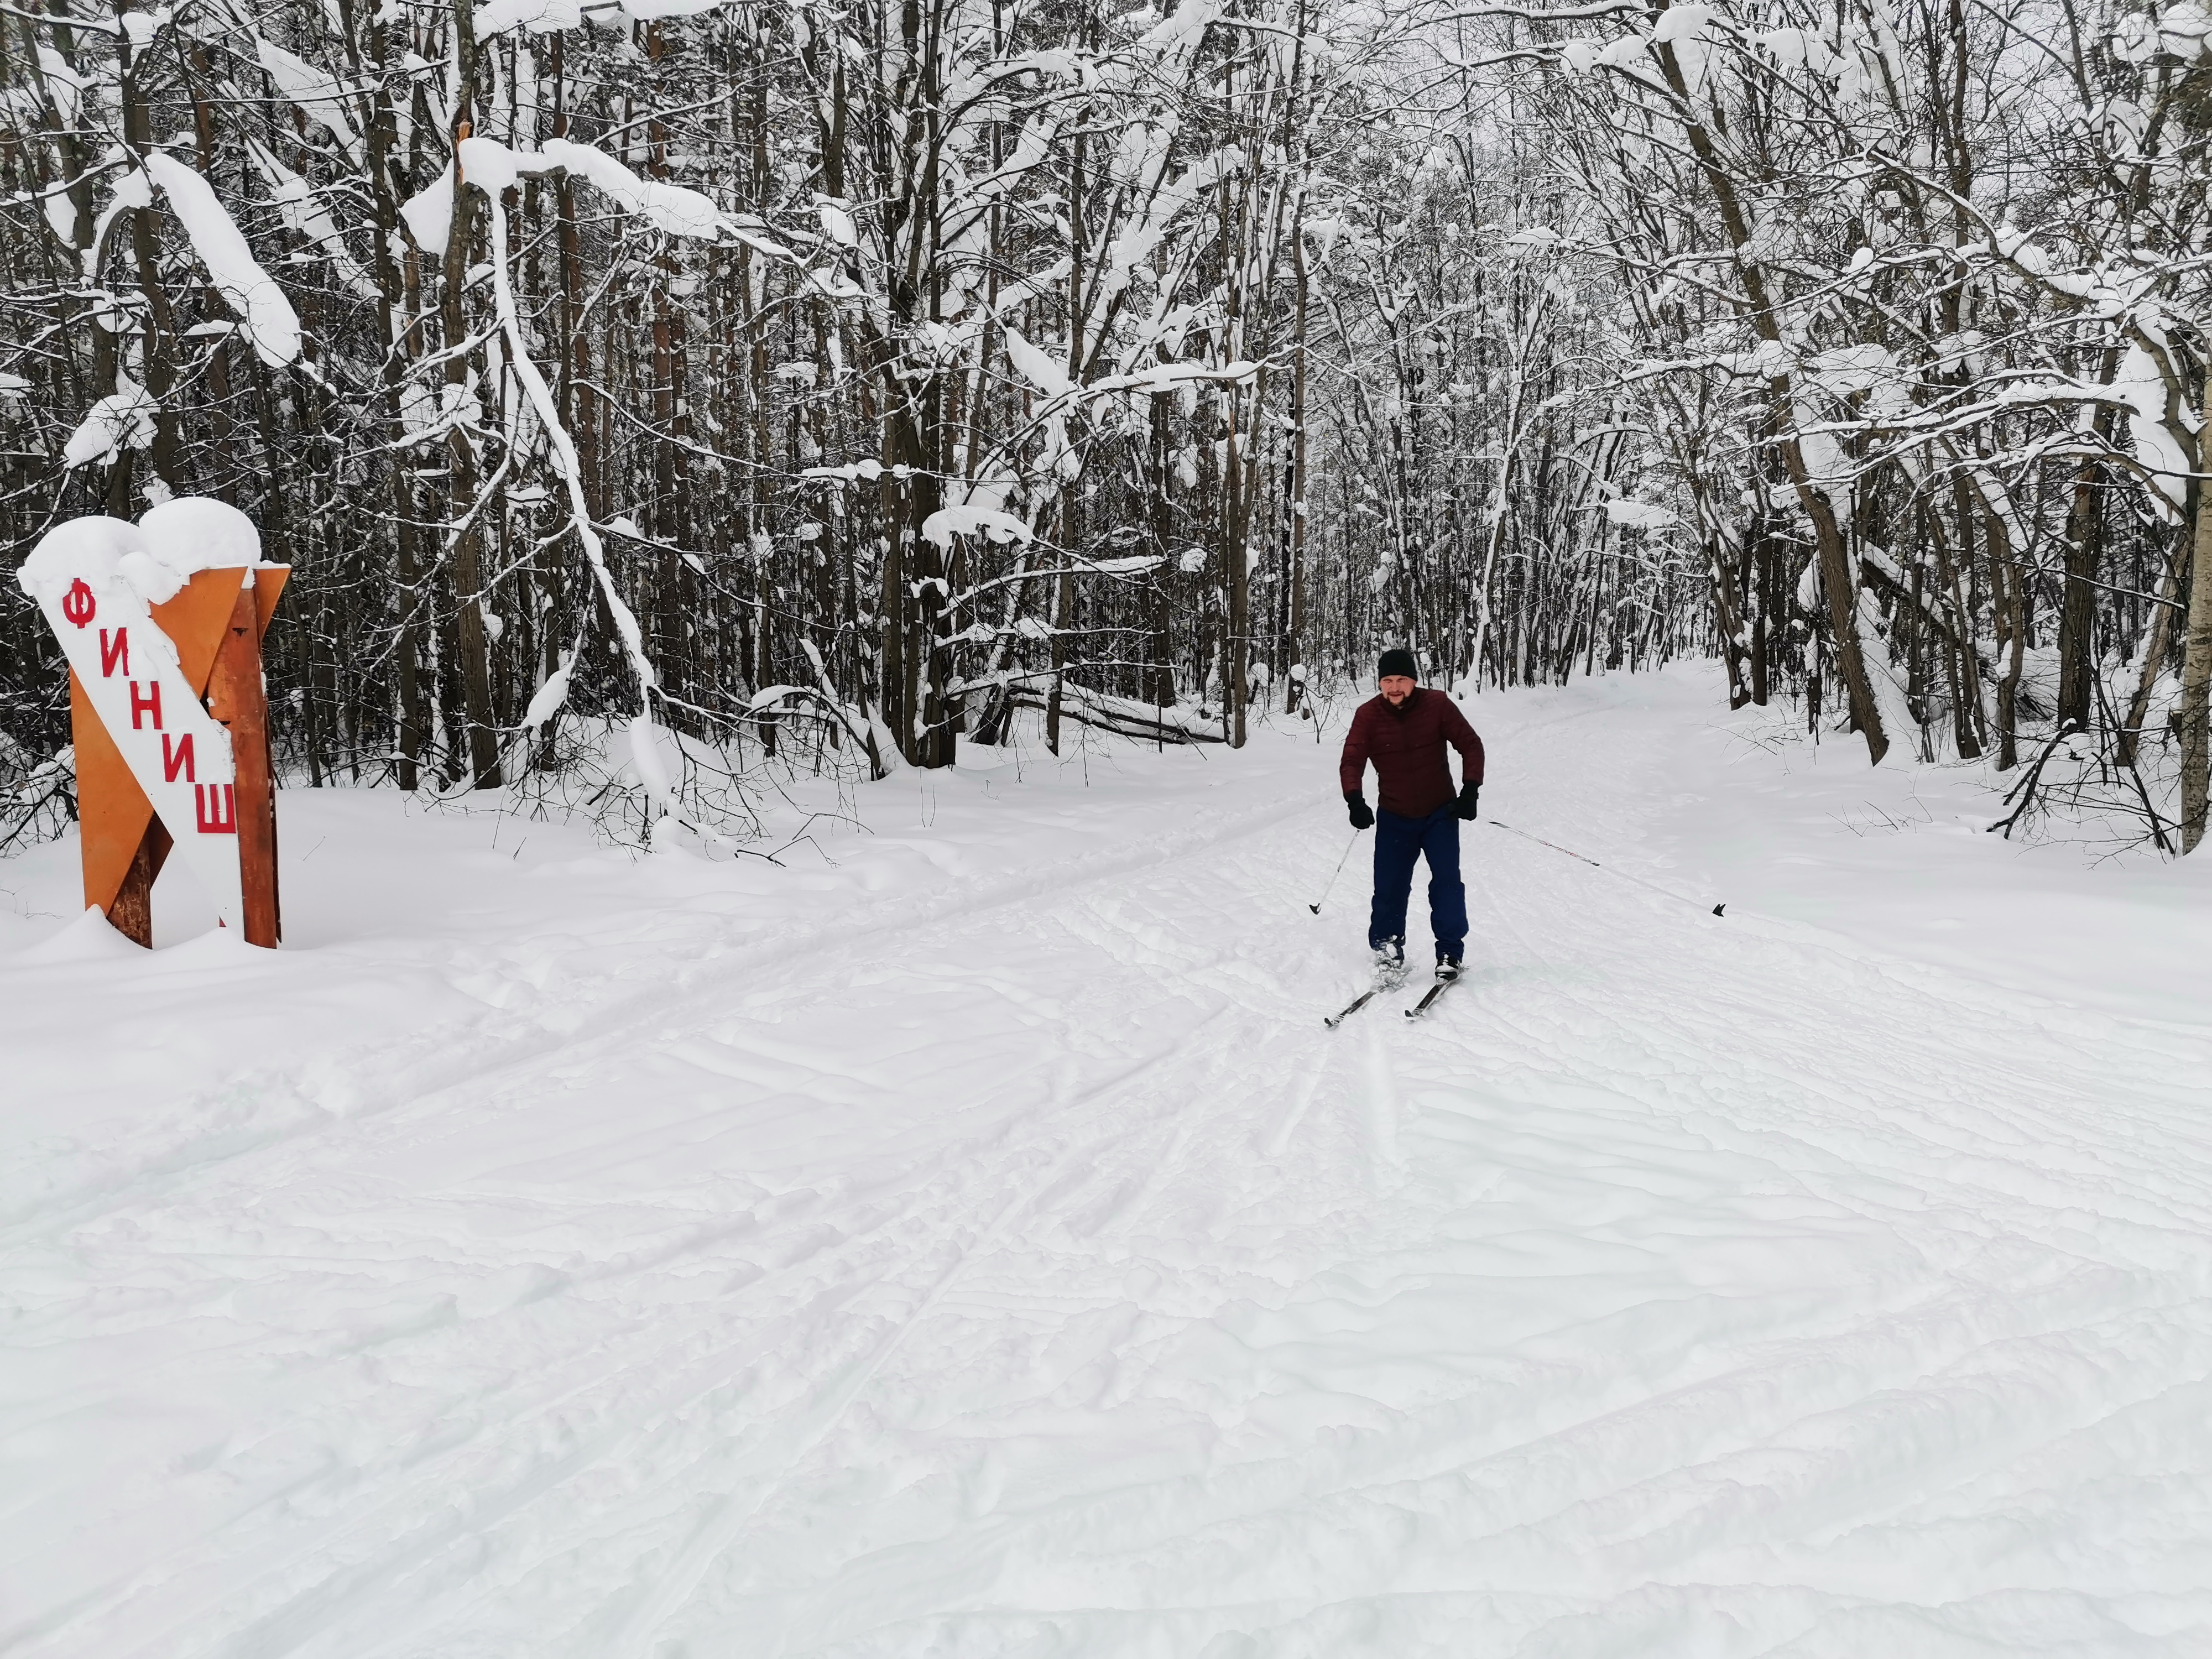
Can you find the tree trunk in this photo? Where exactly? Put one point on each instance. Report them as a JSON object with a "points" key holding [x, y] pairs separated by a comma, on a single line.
{"points": [[1837, 577], [1294, 635], [2077, 613], [400, 349], [2157, 640], [468, 565], [1238, 580], [2189, 711], [1063, 616]]}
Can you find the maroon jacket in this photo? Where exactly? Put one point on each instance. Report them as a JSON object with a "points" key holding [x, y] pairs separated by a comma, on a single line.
{"points": [[1407, 744]]}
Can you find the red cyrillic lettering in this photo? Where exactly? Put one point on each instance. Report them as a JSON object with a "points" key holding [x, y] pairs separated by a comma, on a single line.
{"points": [[215, 806], [115, 656], [177, 760], [148, 703]]}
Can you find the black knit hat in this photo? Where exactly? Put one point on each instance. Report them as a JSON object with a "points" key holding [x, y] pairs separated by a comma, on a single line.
{"points": [[1398, 660]]}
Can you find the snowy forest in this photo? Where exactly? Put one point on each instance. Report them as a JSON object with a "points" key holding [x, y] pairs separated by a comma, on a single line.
{"points": [[831, 383]]}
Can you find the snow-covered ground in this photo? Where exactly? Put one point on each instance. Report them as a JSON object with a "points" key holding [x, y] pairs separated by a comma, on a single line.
{"points": [[965, 1239]]}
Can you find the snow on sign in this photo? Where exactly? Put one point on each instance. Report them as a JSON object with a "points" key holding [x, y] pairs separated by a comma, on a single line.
{"points": [[161, 622]]}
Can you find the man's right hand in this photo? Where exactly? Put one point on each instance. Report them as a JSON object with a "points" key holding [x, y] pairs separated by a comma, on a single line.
{"points": [[1362, 817]]}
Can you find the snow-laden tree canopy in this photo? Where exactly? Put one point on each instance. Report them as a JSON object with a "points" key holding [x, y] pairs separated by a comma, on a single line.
{"points": [[624, 364]]}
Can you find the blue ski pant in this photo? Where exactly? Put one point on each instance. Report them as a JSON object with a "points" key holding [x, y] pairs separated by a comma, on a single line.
{"points": [[1399, 842]]}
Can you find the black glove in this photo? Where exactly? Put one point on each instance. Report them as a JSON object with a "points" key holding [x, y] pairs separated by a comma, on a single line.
{"points": [[1361, 817], [1468, 794]]}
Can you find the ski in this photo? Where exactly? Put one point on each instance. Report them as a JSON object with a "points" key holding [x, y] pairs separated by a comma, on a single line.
{"points": [[1429, 996], [1383, 983], [1349, 1008]]}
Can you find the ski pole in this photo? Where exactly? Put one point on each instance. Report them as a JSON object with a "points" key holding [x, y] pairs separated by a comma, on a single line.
{"points": [[1315, 906], [1608, 869]]}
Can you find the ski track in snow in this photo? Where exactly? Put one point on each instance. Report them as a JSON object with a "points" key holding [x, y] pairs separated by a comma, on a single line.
{"points": [[1020, 1268]]}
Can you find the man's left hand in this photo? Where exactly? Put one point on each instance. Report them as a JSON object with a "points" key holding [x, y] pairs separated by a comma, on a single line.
{"points": [[1467, 796]]}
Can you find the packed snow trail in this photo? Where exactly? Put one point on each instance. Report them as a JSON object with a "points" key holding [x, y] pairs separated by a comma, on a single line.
{"points": [[979, 1248]]}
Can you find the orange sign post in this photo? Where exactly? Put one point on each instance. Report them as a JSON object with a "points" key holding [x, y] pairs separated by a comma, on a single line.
{"points": [[169, 716]]}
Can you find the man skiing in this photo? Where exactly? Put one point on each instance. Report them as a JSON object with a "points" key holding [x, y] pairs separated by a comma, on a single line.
{"points": [[1403, 732]]}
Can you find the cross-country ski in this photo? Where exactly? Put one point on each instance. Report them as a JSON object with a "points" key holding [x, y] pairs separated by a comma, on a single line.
{"points": [[1352, 1007], [1429, 998]]}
